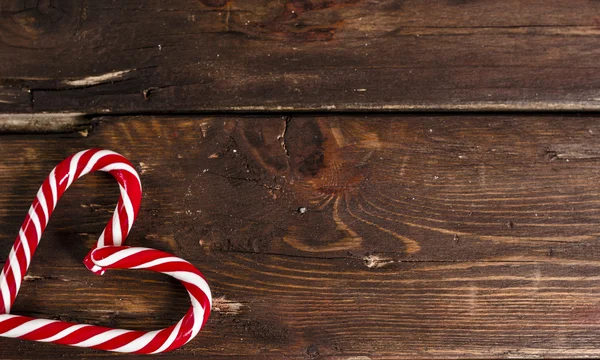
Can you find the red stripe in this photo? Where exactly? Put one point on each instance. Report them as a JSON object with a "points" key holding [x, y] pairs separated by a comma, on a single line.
{"points": [[10, 280], [128, 180], [185, 332], [21, 260], [109, 160], [30, 234], [62, 176], [176, 266], [47, 191], [123, 219], [12, 323], [120, 340], [47, 331], [29, 228], [108, 235], [82, 334], [198, 294], [138, 259], [104, 252], [134, 190], [83, 161], [130, 261], [2, 305], [157, 342], [37, 207]]}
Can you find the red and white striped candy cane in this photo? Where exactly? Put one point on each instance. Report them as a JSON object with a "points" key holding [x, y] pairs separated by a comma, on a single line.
{"points": [[55, 185], [108, 254]]}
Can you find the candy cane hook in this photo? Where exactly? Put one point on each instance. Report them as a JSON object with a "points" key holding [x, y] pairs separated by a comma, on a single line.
{"points": [[108, 254]]}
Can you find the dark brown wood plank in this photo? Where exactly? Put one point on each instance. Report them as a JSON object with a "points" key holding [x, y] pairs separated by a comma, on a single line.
{"points": [[332, 237], [133, 56]]}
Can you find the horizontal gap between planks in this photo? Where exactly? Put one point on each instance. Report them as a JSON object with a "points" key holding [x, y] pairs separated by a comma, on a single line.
{"points": [[46, 123]]}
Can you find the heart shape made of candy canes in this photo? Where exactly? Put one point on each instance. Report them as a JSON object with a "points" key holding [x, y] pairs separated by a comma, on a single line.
{"points": [[108, 254]]}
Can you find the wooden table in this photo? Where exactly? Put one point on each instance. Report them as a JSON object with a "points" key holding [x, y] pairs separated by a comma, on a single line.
{"points": [[357, 179]]}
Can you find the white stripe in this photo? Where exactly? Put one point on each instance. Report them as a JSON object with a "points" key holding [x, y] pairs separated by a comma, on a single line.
{"points": [[138, 343], [96, 269], [73, 166], [36, 222], [124, 167], [128, 207], [117, 238], [158, 262], [27, 327], [64, 333], [42, 200], [94, 159], [170, 339], [198, 317], [101, 240], [4, 317], [52, 177], [194, 279], [102, 338], [26, 249], [119, 255], [13, 263], [5, 291]]}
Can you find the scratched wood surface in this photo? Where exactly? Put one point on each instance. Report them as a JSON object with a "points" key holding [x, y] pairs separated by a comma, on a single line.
{"points": [[338, 237], [216, 55]]}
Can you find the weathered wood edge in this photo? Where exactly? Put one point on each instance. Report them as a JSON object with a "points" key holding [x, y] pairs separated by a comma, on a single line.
{"points": [[45, 123]]}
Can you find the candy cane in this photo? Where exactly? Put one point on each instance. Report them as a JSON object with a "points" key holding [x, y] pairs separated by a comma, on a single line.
{"points": [[60, 178], [108, 254]]}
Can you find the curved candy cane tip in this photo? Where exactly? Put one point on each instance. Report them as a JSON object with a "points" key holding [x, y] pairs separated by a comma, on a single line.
{"points": [[91, 266]]}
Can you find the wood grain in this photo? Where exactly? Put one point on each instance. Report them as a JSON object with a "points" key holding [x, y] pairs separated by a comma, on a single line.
{"points": [[331, 237], [355, 55]]}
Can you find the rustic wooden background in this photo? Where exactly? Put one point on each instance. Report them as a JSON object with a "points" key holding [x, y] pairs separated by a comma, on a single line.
{"points": [[357, 179]]}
